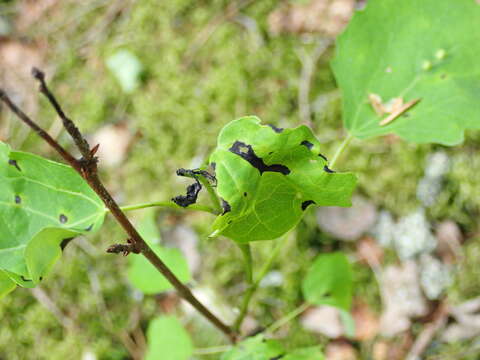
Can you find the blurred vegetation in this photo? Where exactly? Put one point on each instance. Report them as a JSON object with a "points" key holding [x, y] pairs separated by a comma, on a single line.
{"points": [[191, 86]]}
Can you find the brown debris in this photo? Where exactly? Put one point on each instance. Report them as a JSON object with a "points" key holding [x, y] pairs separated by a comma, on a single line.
{"points": [[369, 252], [340, 350], [328, 17], [366, 322]]}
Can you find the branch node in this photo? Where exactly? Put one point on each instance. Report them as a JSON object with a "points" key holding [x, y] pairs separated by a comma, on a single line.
{"points": [[125, 249], [38, 74]]}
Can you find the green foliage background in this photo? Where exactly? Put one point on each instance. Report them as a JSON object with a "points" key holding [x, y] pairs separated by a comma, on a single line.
{"points": [[238, 71]]}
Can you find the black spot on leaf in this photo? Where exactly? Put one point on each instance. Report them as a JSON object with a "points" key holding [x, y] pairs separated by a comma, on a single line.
{"points": [[62, 218], [89, 228], [245, 194], [191, 196], [40, 278], [246, 152], [24, 278], [306, 203], [277, 357], [65, 242], [327, 169], [323, 157], [307, 144], [18, 199], [226, 207], [14, 163], [276, 129]]}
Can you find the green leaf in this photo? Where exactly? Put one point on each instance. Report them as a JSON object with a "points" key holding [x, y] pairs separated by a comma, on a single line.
{"points": [[127, 69], [168, 340], [42, 204], [308, 353], [412, 49], [143, 275], [146, 278], [329, 281], [6, 284], [267, 177], [254, 348]]}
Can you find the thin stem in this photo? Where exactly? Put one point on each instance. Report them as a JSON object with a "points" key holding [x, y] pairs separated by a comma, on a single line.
{"points": [[87, 168], [251, 290], [247, 256], [213, 195], [172, 205], [287, 318], [211, 350], [340, 150]]}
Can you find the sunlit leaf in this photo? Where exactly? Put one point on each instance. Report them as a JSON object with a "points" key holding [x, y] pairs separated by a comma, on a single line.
{"points": [[43, 204], [255, 348], [267, 177], [329, 281], [168, 340], [308, 353], [425, 50], [6, 284]]}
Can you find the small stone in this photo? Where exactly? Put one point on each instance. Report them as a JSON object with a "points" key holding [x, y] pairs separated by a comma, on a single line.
{"points": [[402, 297], [435, 276], [272, 279], [348, 223], [413, 236], [438, 164], [428, 190], [449, 241], [384, 229], [323, 320], [340, 350]]}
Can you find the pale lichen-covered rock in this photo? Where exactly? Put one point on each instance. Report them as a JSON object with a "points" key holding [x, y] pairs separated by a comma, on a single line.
{"points": [[412, 235], [430, 185], [384, 229], [435, 276]]}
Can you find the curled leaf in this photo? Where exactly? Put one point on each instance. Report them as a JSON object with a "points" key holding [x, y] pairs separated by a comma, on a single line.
{"points": [[269, 176]]}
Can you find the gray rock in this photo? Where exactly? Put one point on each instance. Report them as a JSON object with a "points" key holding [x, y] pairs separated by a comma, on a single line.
{"points": [[413, 236], [435, 276], [402, 298], [430, 185], [348, 223], [384, 229]]}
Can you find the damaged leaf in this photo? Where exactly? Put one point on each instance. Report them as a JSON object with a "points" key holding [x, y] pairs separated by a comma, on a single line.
{"points": [[414, 55], [268, 177], [43, 204]]}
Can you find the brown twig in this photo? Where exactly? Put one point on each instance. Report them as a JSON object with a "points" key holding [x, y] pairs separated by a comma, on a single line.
{"points": [[430, 330], [87, 168]]}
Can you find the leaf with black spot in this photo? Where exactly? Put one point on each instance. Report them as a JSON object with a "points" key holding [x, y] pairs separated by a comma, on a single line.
{"points": [[41, 204], [281, 172]]}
